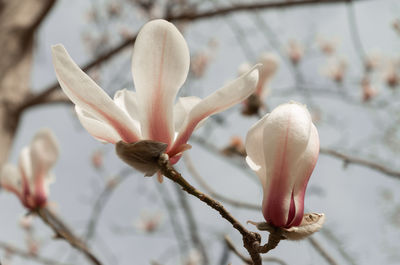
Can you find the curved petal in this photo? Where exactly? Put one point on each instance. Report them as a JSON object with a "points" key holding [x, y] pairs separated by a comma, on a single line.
{"points": [[44, 153], [127, 101], [255, 155], [10, 179], [220, 100], [270, 64], [97, 128], [182, 109], [86, 94], [303, 169], [160, 65], [25, 168], [287, 132]]}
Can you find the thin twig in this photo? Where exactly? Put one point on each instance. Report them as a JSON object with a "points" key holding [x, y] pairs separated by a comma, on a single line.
{"points": [[251, 240], [245, 259], [102, 200], [354, 32], [176, 227], [193, 231], [317, 246], [63, 232], [252, 7], [28, 255], [355, 160]]}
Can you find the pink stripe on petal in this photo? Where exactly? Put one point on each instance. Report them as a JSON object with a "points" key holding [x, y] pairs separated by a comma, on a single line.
{"points": [[86, 94], [123, 131], [160, 64]]}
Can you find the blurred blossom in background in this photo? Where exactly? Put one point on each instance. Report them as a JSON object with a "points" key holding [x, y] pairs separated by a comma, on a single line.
{"points": [[340, 59]]}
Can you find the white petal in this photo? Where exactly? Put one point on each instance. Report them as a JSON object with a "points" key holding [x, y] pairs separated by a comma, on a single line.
{"points": [[86, 94], [97, 128], [287, 132], [255, 152], [182, 109], [10, 179], [127, 101], [160, 65], [25, 164], [43, 151], [227, 96], [244, 68]]}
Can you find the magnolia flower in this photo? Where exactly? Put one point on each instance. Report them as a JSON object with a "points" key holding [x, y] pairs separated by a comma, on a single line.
{"points": [[31, 179], [270, 64], [283, 149], [160, 65]]}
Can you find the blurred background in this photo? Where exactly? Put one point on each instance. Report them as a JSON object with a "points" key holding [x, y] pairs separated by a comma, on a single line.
{"points": [[340, 58]]}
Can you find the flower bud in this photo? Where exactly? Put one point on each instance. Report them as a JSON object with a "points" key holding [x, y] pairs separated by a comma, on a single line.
{"points": [[283, 148]]}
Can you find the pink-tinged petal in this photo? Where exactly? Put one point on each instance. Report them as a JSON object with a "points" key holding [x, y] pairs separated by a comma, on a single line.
{"points": [[270, 64], [182, 109], [289, 142], [97, 128], [25, 168], [44, 153], [303, 170], [10, 179], [160, 65], [86, 94], [222, 99], [127, 101]]}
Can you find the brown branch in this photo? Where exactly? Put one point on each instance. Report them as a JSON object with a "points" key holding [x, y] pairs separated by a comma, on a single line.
{"points": [[348, 159], [63, 232], [245, 259], [251, 240], [38, 98], [28, 255], [251, 7]]}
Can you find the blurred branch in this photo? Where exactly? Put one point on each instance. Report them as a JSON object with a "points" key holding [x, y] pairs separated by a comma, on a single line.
{"points": [[251, 240], [195, 174], [347, 159], [63, 232], [102, 200], [251, 7], [27, 255], [176, 227], [317, 246], [354, 32], [191, 220], [38, 98]]}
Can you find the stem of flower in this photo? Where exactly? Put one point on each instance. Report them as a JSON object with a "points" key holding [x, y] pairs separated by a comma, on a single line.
{"points": [[251, 240]]}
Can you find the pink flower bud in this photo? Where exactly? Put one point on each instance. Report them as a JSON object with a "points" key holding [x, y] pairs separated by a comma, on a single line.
{"points": [[30, 181], [283, 149]]}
